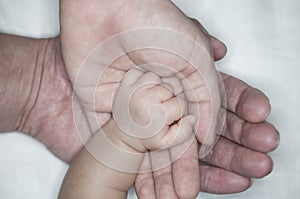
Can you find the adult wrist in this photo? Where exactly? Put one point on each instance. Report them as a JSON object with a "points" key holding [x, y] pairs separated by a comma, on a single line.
{"points": [[22, 67]]}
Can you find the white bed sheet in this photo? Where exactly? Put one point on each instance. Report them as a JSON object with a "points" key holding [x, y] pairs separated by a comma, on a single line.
{"points": [[31, 18], [263, 39]]}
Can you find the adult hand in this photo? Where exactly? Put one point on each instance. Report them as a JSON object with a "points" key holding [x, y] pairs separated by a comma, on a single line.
{"points": [[239, 155], [100, 21], [163, 40], [47, 116]]}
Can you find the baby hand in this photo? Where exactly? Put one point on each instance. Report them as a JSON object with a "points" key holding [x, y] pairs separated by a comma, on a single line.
{"points": [[148, 115]]}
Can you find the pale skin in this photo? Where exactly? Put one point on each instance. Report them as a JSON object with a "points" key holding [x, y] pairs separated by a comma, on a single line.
{"points": [[50, 121], [102, 181], [76, 51], [95, 15]]}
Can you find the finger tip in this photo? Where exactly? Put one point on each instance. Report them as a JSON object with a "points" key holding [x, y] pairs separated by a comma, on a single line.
{"points": [[237, 184], [242, 184], [229, 183], [219, 48], [263, 167], [264, 110], [254, 106], [188, 193], [277, 140], [272, 138], [145, 190], [266, 166], [186, 182], [262, 137]]}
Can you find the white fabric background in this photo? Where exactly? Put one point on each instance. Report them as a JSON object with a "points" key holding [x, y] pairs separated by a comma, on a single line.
{"points": [[263, 39], [31, 18]]}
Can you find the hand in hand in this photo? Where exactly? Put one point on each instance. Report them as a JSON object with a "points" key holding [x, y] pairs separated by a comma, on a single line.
{"points": [[247, 140], [163, 41], [184, 178]]}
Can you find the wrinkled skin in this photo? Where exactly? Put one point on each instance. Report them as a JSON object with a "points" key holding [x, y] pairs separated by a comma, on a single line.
{"points": [[201, 91], [240, 154], [45, 112], [104, 19]]}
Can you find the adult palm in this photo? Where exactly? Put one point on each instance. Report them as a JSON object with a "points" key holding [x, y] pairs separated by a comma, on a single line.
{"points": [[238, 155], [48, 117], [95, 21]]}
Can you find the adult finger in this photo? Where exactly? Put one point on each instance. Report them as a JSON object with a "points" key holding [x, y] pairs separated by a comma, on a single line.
{"points": [[212, 179], [144, 182], [218, 47], [239, 159], [162, 174], [220, 181], [247, 102], [185, 169], [261, 137]]}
